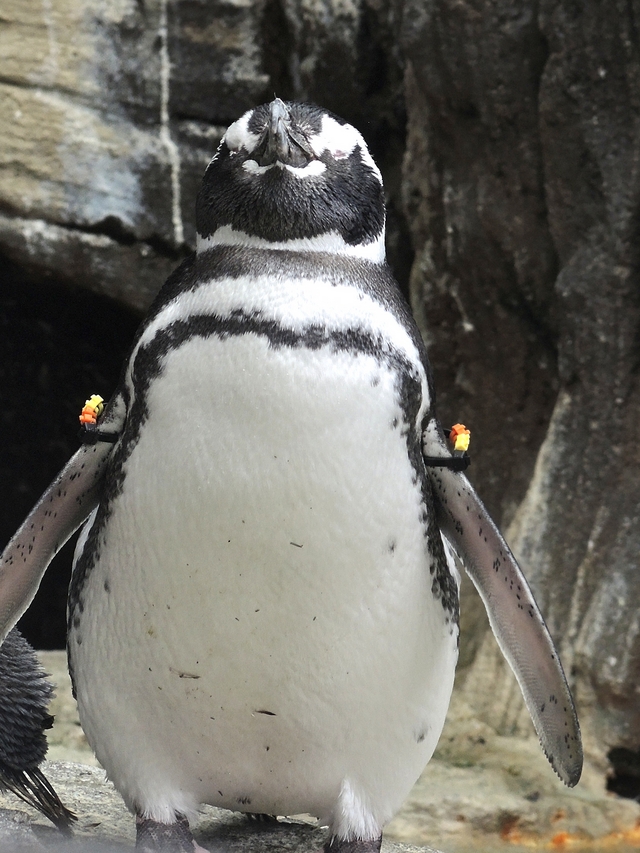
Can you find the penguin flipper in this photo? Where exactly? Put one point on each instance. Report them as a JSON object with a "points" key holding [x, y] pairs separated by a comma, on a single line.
{"points": [[514, 616], [60, 511]]}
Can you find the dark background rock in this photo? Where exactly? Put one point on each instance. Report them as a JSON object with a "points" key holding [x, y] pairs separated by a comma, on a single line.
{"points": [[58, 345], [531, 128], [482, 285], [507, 132]]}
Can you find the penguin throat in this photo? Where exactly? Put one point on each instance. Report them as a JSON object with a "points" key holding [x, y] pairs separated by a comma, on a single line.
{"points": [[331, 242]]}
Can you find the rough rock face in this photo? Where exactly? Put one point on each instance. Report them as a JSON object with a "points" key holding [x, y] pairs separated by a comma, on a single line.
{"points": [[110, 112], [482, 284], [525, 117], [517, 172]]}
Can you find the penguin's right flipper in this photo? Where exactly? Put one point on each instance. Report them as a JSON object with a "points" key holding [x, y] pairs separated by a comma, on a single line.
{"points": [[25, 694], [57, 515], [515, 619]]}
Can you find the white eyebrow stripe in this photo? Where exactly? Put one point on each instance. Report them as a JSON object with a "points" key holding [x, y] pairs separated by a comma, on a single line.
{"points": [[335, 137], [344, 139], [340, 140], [238, 135]]}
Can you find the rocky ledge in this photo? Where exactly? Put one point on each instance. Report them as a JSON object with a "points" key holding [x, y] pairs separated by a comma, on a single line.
{"points": [[105, 826]]}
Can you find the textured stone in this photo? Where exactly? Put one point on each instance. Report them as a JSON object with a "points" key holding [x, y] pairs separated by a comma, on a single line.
{"points": [[523, 191], [131, 274], [482, 284], [105, 825], [109, 113], [104, 107]]}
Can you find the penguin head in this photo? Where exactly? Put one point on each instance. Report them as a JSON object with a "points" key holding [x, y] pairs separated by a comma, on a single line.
{"points": [[293, 176]]}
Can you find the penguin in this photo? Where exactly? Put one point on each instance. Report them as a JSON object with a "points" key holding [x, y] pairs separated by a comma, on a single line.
{"points": [[25, 694], [264, 608]]}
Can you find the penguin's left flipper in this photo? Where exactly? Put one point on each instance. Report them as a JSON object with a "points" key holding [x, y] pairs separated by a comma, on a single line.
{"points": [[57, 515], [25, 694], [513, 613]]}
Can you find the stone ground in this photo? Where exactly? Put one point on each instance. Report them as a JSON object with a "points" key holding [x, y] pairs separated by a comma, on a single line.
{"points": [[481, 792]]}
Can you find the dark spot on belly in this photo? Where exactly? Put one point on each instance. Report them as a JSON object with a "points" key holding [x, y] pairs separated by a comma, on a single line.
{"points": [[244, 801], [267, 713], [392, 546], [182, 674]]}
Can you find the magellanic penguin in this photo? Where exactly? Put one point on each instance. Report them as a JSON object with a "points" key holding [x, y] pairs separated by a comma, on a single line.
{"points": [[25, 694], [263, 613]]}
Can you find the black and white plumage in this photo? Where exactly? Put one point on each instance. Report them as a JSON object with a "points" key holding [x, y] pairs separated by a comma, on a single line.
{"points": [[25, 694], [263, 613]]}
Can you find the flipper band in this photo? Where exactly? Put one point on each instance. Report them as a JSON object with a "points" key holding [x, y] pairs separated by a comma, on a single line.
{"points": [[460, 437], [90, 434], [454, 463]]}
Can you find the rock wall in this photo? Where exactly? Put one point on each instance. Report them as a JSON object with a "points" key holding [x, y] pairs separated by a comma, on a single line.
{"points": [[526, 280], [110, 112], [507, 132]]}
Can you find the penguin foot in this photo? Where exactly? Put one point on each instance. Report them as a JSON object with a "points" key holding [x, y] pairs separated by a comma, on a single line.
{"points": [[154, 837], [339, 845]]}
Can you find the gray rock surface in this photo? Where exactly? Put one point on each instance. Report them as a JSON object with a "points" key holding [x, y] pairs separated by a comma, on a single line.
{"points": [[104, 824], [522, 187], [109, 116]]}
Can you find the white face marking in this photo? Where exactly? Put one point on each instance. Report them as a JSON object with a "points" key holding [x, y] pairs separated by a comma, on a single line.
{"points": [[238, 135], [340, 140], [331, 242], [253, 168], [316, 167]]}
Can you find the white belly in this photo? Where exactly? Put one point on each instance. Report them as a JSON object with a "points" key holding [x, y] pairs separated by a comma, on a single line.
{"points": [[259, 629]]}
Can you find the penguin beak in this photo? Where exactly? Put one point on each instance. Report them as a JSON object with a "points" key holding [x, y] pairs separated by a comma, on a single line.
{"points": [[282, 140]]}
